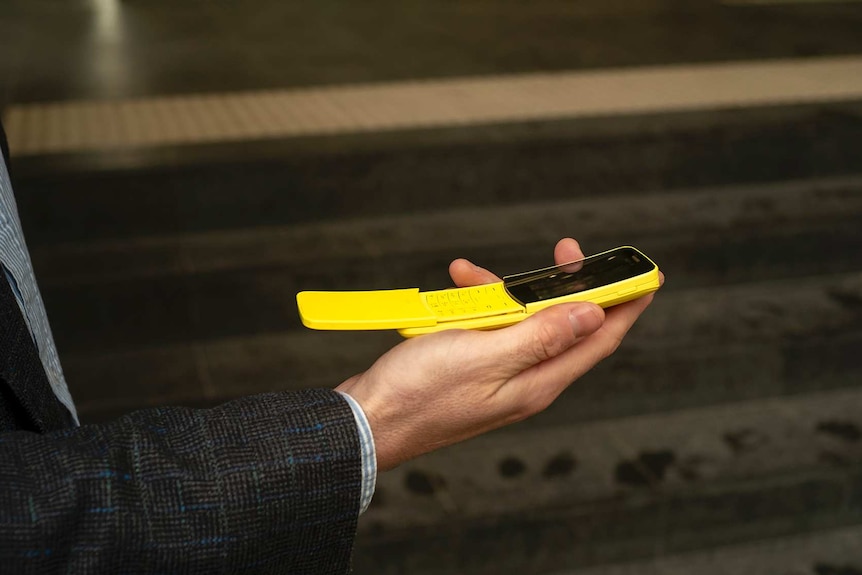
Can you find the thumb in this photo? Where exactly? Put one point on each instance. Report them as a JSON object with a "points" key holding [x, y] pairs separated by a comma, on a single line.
{"points": [[547, 334]]}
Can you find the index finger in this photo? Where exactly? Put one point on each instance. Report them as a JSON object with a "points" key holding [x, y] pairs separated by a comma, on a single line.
{"points": [[465, 273]]}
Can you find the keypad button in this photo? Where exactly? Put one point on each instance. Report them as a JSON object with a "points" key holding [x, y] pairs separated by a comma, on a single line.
{"points": [[467, 303]]}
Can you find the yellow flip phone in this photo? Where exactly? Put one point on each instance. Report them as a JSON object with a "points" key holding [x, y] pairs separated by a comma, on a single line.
{"points": [[607, 279]]}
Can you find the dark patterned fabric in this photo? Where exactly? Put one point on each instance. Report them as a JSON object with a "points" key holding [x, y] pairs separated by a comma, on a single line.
{"points": [[29, 401], [265, 484], [12, 414], [4, 146]]}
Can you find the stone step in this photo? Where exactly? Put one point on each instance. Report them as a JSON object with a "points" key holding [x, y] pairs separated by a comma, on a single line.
{"points": [[828, 552], [731, 343], [731, 413], [332, 178], [121, 294], [782, 209], [574, 495]]}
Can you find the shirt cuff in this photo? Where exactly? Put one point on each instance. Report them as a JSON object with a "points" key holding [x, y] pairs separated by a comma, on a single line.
{"points": [[369, 455]]}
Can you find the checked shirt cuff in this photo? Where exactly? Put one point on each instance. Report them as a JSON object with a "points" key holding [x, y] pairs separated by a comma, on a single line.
{"points": [[369, 455]]}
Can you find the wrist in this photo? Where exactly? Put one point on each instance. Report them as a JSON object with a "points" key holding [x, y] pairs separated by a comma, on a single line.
{"points": [[385, 455]]}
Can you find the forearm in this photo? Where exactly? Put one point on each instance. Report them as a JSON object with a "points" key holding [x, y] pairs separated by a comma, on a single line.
{"points": [[268, 483]]}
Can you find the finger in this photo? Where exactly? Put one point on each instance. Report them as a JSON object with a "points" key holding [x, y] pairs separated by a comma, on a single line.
{"points": [[619, 321], [465, 274], [539, 385], [567, 250], [544, 336], [595, 348]]}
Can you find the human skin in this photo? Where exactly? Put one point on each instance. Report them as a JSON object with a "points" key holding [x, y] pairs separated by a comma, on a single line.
{"points": [[442, 388]]}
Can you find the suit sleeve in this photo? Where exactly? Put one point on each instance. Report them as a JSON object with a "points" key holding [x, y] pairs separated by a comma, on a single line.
{"points": [[264, 484]]}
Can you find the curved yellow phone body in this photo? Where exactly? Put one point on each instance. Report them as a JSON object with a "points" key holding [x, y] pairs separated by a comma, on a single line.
{"points": [[488, 306]]}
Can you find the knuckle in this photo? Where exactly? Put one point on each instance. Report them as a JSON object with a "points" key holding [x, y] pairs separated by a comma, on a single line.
{"points": [[528, 409], [523, 412], [612, 343], [541, 403], [547, 342], [535, 401]]}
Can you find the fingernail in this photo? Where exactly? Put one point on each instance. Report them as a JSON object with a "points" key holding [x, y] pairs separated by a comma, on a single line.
{"points": [[585, 318]]}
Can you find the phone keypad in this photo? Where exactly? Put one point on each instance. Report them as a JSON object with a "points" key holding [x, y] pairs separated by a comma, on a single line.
{"points": [[469, 303]]}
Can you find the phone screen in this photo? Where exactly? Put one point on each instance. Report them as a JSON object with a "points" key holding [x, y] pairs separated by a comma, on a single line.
{"points": [[567, 279]]}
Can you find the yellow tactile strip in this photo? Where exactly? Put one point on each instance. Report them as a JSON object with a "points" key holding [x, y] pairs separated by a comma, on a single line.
{"points": [[64, 127]]}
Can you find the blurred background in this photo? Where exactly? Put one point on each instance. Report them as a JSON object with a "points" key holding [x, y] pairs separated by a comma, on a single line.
{"points": [[184, 168]]}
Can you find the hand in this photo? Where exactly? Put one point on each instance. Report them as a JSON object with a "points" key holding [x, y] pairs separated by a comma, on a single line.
{"points": [[442, 388]]}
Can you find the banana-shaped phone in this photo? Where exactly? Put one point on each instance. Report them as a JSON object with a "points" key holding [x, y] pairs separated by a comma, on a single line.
{"points": [[607, 279]]}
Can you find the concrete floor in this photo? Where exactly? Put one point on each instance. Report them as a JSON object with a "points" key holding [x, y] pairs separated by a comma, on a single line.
{"points": [[724, 437]]}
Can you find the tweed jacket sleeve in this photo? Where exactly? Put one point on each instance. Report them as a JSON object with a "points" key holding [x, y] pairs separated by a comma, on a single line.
{"points": [[264, 484]]}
